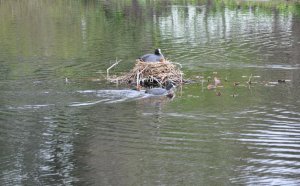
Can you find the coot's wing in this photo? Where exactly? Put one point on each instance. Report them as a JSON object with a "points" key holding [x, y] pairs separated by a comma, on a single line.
{"points": [[151, 58], [145, 57]]}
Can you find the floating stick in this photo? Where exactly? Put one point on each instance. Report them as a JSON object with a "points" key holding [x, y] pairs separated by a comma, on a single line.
{"points": [[107, 70]]}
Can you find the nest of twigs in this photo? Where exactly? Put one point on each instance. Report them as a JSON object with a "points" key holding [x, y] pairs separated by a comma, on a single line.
{"points": [[152, 73]]}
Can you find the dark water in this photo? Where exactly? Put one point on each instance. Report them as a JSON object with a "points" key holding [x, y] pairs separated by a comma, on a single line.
{"points": [[61, 123]]}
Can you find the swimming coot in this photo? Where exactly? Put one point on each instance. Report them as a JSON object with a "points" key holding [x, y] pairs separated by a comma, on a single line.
{"points": [[156, 57], [168, 91]]}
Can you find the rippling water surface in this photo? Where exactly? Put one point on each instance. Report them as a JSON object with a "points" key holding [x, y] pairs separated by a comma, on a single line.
{"points": [[61, 123]]}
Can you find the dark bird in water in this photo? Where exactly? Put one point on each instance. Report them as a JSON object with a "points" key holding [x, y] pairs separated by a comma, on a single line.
{"points": [[281, 80], [156, 57], [168, 91]]}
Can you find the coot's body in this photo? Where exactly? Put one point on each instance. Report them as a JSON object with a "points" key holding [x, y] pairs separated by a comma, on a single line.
{"points": [[156, 57], [157, 91], [162, 91]]}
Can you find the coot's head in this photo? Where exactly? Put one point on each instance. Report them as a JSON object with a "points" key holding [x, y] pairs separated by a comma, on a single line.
{"points": [[157, 51], [170, 85]]}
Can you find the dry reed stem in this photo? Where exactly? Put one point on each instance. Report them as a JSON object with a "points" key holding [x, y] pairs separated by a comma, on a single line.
{"points": [[107, 70]]}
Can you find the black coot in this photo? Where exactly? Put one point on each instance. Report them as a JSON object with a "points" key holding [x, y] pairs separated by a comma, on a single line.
{"points": [[156, 57], [168, 91]]}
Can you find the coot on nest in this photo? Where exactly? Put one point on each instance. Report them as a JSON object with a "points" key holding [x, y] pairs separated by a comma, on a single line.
{"points": [[156, 57]]}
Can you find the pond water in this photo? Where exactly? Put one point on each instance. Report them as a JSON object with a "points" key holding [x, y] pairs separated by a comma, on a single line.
{"points": [[61, 123]]}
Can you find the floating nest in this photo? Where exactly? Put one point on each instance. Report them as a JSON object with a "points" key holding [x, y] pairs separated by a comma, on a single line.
{"points": [[151, 74]]}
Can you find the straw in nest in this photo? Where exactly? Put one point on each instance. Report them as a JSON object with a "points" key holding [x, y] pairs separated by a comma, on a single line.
{"points": [[158, 72]]}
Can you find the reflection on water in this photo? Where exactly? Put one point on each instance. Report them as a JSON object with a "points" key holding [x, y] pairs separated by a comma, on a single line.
{"points": [[62, 124], [226, 36]]}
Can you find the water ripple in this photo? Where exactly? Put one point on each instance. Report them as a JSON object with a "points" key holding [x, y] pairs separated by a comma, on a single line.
{"points": [[273, 135]]}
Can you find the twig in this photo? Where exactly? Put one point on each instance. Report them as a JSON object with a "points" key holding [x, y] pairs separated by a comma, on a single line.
{"points": [[107, 70], [181, 80], [144, 69], [138, 76], [249, 81]]}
